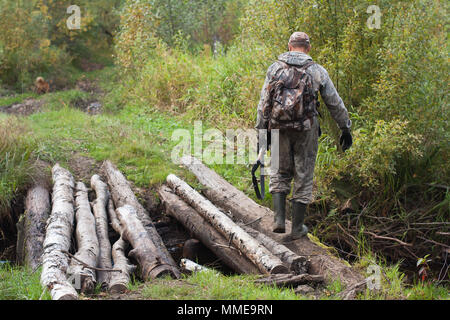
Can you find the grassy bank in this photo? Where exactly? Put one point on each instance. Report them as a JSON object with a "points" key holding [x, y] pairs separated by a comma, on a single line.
{"points": [[138, 138]]}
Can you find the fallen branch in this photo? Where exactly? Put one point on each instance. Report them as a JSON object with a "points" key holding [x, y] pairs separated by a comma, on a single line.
{"points": [[87, 266], [388, 238]]}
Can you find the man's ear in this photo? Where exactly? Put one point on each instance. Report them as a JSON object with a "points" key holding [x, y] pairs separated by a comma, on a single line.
{"points": [[289, 47]]}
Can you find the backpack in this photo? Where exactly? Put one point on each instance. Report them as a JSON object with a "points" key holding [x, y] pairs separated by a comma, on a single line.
{"points": [[292, 102]]}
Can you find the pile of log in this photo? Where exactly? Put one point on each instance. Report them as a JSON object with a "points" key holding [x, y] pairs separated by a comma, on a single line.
{"points": [[239, 232], [71, 267], [239, 246]]}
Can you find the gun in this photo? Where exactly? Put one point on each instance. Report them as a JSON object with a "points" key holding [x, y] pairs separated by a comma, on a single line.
{"points": [[260, 164]]}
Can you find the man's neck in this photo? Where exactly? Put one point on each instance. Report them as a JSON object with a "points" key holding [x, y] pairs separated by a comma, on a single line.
{"points": [[299, 50]]}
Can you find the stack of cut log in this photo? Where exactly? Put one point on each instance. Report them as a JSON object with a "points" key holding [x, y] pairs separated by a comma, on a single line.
{"points": [[69, 268], [239, 232]]}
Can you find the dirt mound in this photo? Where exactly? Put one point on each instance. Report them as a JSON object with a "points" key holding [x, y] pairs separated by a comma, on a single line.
{"points": [[25, 108]]}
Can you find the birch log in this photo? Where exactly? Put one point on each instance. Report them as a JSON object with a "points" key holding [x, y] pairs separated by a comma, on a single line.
{"points": [[205, 232], [226, 196], [119, 281], [296, 263], [88, 247], [192, 266], [144, 250], [101, 223], [31, 227], [123, 195], [58, 237], [255, 251]]}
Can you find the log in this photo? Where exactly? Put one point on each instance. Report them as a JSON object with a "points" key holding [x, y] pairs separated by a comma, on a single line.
{"points": [[226, 196], [119, 281], [31, 227], [58, 237], [205, 232], [123, 195], [296, 263], [101, 223], [290, 280], [192, 266], [144, 250], [252, 249], [88, 244]]}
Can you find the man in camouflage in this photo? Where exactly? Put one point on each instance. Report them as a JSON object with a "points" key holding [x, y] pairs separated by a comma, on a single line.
{"points": [[298, 149]]}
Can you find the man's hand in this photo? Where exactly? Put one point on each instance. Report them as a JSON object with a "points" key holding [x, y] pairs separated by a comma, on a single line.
{"points": [[346, 139]]}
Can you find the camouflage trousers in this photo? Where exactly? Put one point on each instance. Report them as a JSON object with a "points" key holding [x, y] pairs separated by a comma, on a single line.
{"points": [[297, 159]]}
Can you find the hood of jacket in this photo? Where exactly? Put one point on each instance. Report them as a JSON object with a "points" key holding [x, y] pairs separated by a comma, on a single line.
{"points": [[295, 58]]}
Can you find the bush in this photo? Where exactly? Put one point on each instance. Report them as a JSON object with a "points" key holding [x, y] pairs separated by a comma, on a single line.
{"points": [[15, 161]]}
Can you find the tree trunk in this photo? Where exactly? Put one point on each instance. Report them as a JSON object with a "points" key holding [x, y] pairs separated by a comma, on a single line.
{"points": [[144, 250], [58, 237], [31, 227], [205, 232], [123, 195], [296, 263], [101, 223], [226, 196], [88, 245], [255, 251], [119, 281]]}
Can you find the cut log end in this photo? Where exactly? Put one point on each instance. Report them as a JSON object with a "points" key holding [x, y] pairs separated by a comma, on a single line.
{"points": [[279, 269], [118, 288]]}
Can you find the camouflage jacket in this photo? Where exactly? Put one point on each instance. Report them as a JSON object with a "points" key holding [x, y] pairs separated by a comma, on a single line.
{"points": [[321, 83]]}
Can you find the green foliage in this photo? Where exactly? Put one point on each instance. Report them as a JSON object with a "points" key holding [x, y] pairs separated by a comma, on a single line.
{"points": [[202, 21], [377, 153], [17, 283], [16, 150], [35, 40]]}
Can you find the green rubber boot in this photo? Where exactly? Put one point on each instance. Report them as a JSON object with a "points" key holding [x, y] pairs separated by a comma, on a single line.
{"points": [[279, 205], [298, 217]]}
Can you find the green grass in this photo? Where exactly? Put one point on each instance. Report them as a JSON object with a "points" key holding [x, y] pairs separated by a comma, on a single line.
{"points": [[16, 149], [137, 138], [210, 285], [18, 283], [7, 101]]}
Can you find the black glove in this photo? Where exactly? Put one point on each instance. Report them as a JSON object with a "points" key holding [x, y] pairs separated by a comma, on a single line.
{"points": [[346, 140]]}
